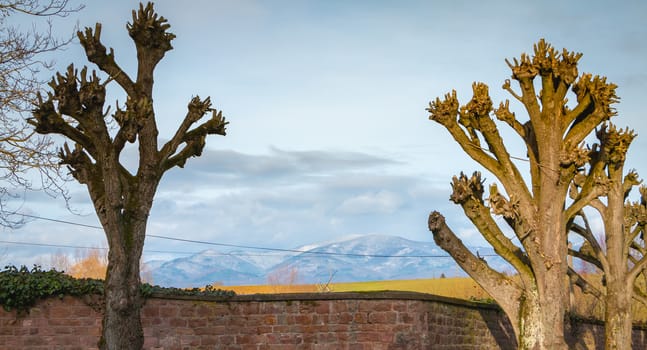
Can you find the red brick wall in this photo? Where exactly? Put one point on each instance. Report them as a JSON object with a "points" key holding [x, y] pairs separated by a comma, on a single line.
{"points": [[389, 320], [51, 324]]}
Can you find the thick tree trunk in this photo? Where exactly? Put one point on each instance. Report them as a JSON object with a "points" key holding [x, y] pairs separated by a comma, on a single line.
{"points": [[618, 318], [541, 317], [531, 327], [551, 268], [541, 323], [617, 330], [548, 247], [552, 309], [122, 328]]}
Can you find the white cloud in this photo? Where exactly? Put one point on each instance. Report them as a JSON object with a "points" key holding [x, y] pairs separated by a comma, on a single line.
{"points": [[381, 202]]}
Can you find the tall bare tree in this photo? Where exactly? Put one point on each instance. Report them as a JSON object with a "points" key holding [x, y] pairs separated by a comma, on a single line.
{"points": [[535, 210], [21, 62], [122, 200], [622, 256]]}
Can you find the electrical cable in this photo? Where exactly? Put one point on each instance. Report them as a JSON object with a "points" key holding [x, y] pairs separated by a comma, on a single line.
{"points": [[284, 250]]}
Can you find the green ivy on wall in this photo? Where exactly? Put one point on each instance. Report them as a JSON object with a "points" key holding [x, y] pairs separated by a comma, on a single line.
{"points": [[21, 288]]}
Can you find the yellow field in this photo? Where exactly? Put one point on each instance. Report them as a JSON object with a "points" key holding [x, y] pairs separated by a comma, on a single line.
{"points": [[457, 287]]}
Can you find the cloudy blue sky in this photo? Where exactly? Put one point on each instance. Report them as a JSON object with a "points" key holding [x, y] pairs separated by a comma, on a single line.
{"points": [[329, 136]]}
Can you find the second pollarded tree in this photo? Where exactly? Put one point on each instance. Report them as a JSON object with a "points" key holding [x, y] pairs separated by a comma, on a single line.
{"points": [[534, 207], [620, 253]]}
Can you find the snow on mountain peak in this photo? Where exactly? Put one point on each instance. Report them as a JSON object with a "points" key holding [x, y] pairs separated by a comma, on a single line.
{"points": [[354, 258]]}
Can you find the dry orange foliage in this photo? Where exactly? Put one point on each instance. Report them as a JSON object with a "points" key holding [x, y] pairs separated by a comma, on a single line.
{"points": [[92, 264]]}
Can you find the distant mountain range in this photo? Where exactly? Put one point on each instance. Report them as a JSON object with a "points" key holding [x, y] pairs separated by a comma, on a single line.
{"points": [[365, 258]]}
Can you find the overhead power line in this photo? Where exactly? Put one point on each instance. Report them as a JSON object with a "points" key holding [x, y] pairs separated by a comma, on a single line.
{"points": [[103, 248], [227, 254], [56, 220], [236, 253], [284, 250]]}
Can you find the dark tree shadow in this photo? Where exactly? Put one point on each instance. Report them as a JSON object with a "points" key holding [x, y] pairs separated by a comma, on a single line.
{"points": [[500, 327]]}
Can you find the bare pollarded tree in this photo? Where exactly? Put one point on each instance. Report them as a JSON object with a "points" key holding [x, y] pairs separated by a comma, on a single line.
{"points": [[75, 109], [621, 253], [536, 210], [21, 63]]}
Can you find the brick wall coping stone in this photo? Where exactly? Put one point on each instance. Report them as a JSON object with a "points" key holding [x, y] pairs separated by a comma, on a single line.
{"points": [[370, 295]]}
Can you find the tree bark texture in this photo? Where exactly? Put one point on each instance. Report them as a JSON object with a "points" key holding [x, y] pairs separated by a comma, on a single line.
{"points": [[617, 315], [122, 328]]}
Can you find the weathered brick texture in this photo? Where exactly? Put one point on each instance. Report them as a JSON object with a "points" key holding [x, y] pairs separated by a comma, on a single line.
{"points": [[353, 321]]}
